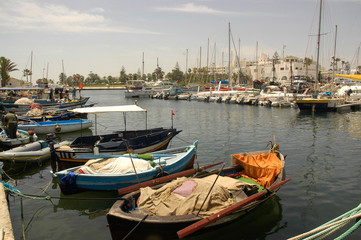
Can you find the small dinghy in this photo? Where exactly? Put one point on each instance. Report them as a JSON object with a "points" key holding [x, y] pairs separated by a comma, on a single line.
{"points": [[32, 152]]}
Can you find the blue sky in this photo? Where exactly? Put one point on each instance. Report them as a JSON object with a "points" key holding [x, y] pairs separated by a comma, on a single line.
{"points": [[102, 36]]}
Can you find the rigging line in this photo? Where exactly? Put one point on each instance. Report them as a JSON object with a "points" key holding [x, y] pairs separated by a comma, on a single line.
{"points": [[237, 57], [183, 140], [311, 28]]}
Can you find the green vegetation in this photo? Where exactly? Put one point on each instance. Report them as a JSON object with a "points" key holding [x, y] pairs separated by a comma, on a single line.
{"points": [[193, 75], [6, 66]]}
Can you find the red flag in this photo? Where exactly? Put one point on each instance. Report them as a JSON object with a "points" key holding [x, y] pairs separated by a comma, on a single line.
{"points": [[76, 79], [80, 85], [172, 112]]}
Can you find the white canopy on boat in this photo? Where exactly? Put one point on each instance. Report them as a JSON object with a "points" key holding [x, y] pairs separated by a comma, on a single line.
{"points": [[109, 109]]}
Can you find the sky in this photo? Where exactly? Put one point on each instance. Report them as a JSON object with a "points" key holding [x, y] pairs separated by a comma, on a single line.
{"points": [[102, 36]]}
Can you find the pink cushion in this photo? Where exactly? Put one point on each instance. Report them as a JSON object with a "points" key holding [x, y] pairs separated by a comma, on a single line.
{"points": [[186, 188]]}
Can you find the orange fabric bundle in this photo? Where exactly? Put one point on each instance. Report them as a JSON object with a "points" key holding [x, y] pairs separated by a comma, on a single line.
{"points": [[263, 168]]}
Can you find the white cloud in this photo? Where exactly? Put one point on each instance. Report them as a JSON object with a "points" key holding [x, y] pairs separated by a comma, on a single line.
{"points": [[193, 8], [30, 15]]}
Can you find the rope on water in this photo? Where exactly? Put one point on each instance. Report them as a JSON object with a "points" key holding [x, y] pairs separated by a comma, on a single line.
{"points": [[334, 225], [48, 197]]}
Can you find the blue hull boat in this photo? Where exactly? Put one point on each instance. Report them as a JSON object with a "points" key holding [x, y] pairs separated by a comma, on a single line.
{"points": [[55, 126], [165, 162]]}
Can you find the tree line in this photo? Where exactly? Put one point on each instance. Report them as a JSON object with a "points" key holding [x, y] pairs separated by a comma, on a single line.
{"points": [[193, 75]]}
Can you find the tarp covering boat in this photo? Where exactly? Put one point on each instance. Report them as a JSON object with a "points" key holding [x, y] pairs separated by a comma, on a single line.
{"points": [[186, 195], [263, 168], [120, 165]]}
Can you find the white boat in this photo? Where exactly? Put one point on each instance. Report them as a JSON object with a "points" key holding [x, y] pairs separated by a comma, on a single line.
{"points": [[138, 89], [55, 126], [23, 137]]}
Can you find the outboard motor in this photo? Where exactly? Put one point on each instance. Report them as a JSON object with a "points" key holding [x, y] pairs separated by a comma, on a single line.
{"points": [[50, 137]]}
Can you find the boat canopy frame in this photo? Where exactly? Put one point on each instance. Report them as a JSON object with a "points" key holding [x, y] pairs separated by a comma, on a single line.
{"points": [[109, 109]]}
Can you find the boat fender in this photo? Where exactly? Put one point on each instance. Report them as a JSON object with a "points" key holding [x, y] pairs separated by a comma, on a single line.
{"points": [[57, 128]]}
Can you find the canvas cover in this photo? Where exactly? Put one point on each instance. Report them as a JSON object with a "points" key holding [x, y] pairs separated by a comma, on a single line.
{"points": [[263, 168], [25, 101], [185, 196], [120, 165]]}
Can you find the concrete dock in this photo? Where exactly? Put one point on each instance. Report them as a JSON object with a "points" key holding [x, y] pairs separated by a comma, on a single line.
{"points": [[6, 229], [352, 106]]}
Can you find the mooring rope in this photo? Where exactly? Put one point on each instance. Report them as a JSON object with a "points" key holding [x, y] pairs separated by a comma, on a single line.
{"points": [[333, 225]]}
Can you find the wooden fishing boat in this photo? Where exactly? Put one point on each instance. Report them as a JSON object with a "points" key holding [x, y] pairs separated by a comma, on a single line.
{"points": [[46, 103], [63, 126], [139, 141], [34, 152], [53, 116], [181, 207], [125, 170], [23, 137], [119, 142]]}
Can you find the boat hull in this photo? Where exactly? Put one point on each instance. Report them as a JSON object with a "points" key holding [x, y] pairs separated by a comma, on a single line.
{"points": [[14, 142], [36, 152], [57, 126], [318, 105]]}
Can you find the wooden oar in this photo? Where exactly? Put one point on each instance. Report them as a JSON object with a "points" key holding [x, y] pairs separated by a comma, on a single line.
{"points": [[208, 220], [116, 156], [164, 179]]}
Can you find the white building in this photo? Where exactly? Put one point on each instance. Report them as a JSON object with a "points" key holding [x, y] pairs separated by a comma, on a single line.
{"points": [[262, 70]]}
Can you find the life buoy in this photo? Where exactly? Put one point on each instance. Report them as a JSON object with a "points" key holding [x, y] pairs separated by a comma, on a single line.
{"points": [[57, 128]]}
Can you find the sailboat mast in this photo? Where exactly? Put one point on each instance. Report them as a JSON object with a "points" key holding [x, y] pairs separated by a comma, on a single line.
{"points": [[207, 60], [186, 66], [229, 54], [142, 66], [318, 46], [257, 60], [334, 57], [31, 68]]}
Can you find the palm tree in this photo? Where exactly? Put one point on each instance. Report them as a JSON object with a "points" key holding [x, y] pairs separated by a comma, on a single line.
{"points": [[27, 73], [6, 66], [308, 62]]}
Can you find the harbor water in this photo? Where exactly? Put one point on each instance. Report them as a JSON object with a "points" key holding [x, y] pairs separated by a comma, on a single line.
{"points": [[323, 161]]}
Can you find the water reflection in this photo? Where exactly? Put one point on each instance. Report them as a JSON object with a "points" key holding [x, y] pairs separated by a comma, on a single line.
{"points": [[91, 203], [263, 221], [23, 170]]}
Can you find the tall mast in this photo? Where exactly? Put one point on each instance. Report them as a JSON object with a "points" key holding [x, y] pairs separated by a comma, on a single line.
{"points": [[142, 67], [215, 63], [31, 68], [229, 54], [357, 57], [200, 63], [62, 63], [186, 65], [257, 60], [318, 46], [334, 57], [207, 60]]}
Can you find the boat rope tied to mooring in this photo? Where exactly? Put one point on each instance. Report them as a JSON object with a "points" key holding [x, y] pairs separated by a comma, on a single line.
{"points": [[334, 225]]}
